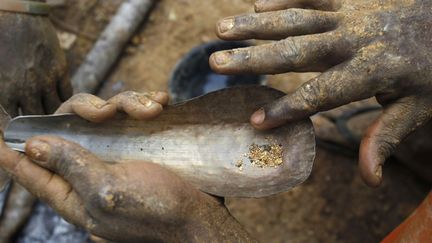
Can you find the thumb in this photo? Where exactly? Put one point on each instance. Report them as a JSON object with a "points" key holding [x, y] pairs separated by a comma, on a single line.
{"points": [[397, 121], [75, 164], [44, 184]]}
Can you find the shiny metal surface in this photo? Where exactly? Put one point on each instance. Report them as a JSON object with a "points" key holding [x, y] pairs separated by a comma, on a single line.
{"points": [[202, 140]]}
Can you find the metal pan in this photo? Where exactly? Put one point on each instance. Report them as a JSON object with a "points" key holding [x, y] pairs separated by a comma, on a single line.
{"points": [[206, 140]]}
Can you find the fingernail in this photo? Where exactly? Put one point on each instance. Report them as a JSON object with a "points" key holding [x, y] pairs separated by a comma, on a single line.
{"points": [[153, 93], [146, 101], [258, 117], [39, 150], [222, 58], [226, 25], [158, 95]]}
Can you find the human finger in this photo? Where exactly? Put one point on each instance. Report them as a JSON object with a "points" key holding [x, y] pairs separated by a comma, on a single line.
{"points": [[396, 122], [139, 106], [276, 25], [89, 107], [300, 53], [158, 96], [351, 81], [76, 165], [44, 184]]}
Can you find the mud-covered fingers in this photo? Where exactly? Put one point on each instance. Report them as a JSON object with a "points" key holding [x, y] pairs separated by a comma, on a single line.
{"points": [[82, 171], [273, 5], [276, 25], [137, 105], [341, 85], [397, 121], [158, 96], [76, 165], [140, 106], [302, 53], [89, 107], [44, 184]]}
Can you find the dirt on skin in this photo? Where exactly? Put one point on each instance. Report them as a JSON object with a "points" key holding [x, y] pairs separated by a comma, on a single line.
{"points": [[333, 205]]}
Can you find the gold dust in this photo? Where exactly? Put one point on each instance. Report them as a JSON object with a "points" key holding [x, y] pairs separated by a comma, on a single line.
{"points": [[269, 155], [109, 199]]}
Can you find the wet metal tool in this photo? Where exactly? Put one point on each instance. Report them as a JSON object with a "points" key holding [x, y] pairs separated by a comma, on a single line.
{"points": [[208, 141]]}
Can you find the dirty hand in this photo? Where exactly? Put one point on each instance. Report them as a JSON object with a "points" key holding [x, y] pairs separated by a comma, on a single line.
{"points": [[364, 48], [32, 65], [125, 202]]}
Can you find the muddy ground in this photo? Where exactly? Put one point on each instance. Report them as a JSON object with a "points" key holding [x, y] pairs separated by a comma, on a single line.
{"points": [[332, 206]]}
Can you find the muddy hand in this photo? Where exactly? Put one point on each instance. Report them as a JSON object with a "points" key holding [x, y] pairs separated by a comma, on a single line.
{"points": [[364, 48], [125, 202], [33, 81], [139, 106], [32, 65]]}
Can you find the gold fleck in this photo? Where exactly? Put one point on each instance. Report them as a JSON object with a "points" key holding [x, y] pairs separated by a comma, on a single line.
{"points": [[269, 155], [239, 164], [378, 171], [109, 199]]}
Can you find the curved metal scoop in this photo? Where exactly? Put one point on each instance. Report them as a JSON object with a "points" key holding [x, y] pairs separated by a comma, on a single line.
{"points": [[207, 141]]}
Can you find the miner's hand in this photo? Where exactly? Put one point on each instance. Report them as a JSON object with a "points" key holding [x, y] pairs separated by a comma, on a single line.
{"points": [[124, 202], [140, 106], [364, 48], [32, 66]]}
